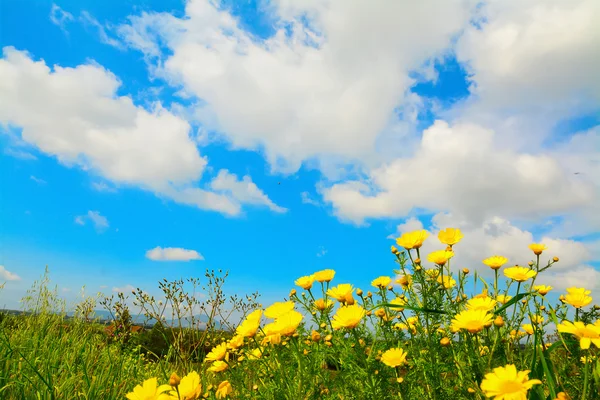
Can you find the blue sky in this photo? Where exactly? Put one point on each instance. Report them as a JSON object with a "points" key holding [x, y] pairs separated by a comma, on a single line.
{"points": [[346, 135]]}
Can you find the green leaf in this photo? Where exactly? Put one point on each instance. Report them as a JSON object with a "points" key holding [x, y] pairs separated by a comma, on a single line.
{"points": [[512, 301], [548, 372], [425, 310]]}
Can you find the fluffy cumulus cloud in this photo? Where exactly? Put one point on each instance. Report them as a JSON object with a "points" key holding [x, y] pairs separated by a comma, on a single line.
{"points": [[173, 254], [6, 275], [458, 168], [326, 87], [75, 115]]}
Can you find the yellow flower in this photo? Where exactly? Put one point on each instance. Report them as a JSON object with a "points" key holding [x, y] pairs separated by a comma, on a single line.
{"points": [[398, 302], [325, 275], [506, 383], [218, 352], [449, 282], [273, 338], [537, 319], [562, 396], [412, 240], [394, 357], [250, 325], [432, 273], [481, 303], [218, 366], [404, 280], [450, 236], [236, 342], [189, 388], [578, 297], [440, 257], [149, 390], [472, 320], [542, 289], [341, 292], [537, 248], [587, 334], [585, 359], [279, 308], [444, 341], [382, 282], [519, 274], [322, 305], [495, 262], [305, 282], [285, 324], [503, 299], [255, 354], [528, 328], [348, 317], [223, 390]]}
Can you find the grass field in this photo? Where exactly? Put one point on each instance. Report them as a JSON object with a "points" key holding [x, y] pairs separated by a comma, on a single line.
{"points": [[415, 334]]}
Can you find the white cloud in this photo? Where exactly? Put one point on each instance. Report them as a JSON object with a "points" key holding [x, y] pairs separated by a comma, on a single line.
{"points": [[328, 90], [60, 17], [103, 187], [411, 224], [76, 115], [127, 289], [99, 221], [20, 154], [7, 275], [307, 199], [37, 180], [458, 168], [104, 36], [173, 254]]}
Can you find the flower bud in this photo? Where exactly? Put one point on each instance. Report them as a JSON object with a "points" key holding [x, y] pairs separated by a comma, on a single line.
{"points": [[417, 261], [444, 342], [174, 380], [530, 263], [315, 336], [555, 259], [466, 271], [499, 322], [292, 292], [359, 292]]}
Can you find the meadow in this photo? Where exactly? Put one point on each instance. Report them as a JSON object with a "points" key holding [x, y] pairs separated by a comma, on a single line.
{"points": [[417, 333]]}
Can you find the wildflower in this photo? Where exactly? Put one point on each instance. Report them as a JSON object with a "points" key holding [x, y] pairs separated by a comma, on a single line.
{"points": [[562, 396], [578, 297], [250, 325], [450, 236], [412, 240], [189, 388], [341, 292], [432, 273], [481, 303], [255, 354], [499, 322], [174, 379], [218, 366], [149, 390], [305, 282], [537, 319], [394, 250], [322, 305], [472, 320], [519, 274], [587, 334], [528, 328], [279, 308], [394, 357], [381, 282], [542, 289], [444, 342], [217, 353], [348, 317], [223, 390], [448, 282], [315, 336], [236, 342], [506, 383], [287, 323], [495, 262], [440, 257], [503, 299], [537, 248], [585, 359], [466, 271], [555, 259], [325, 275], [484, 350], [398, 301]]}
